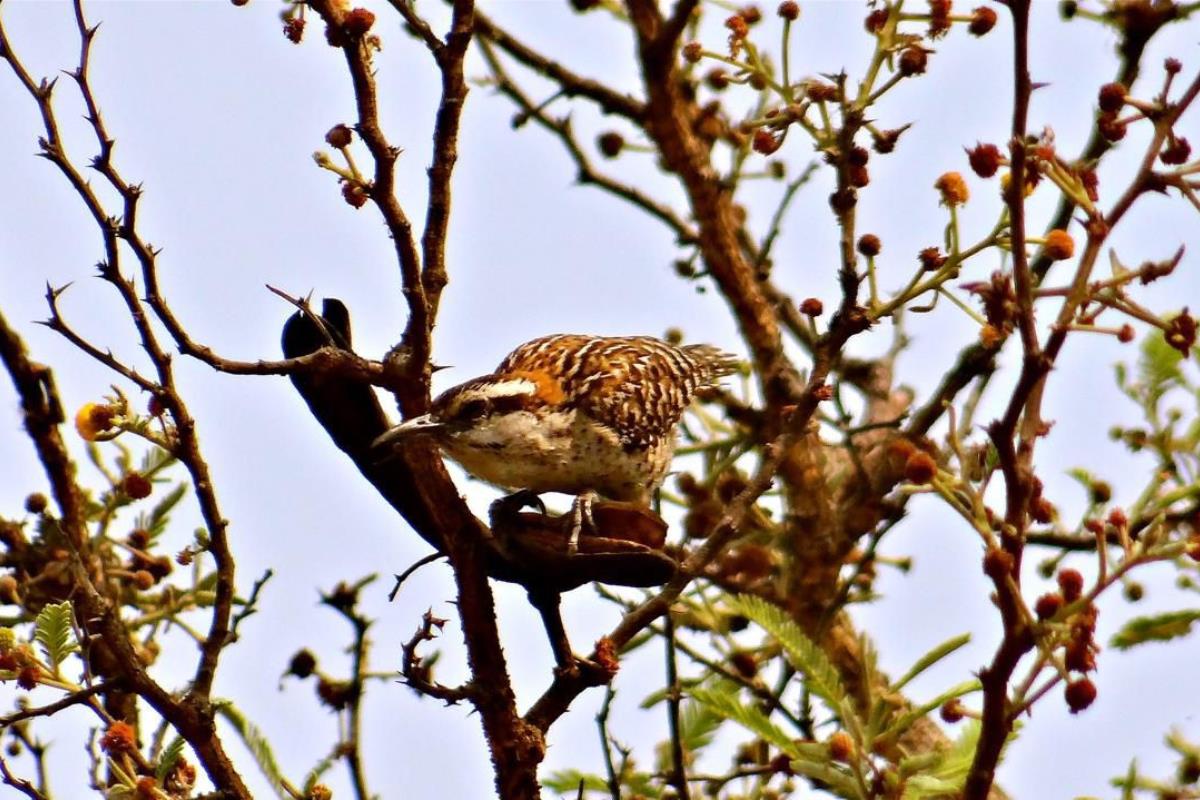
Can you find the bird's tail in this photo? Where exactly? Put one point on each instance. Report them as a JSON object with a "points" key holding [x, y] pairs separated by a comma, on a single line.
{"points": [[714, 360]]}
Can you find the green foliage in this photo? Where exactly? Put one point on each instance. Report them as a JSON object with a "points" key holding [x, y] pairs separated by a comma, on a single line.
{"points": [[155, 522], [257, 744], [721, 699], [1155, 628], [568, 781], [821, 676], [945, 776], [698, 724], [170, 755], [55, 632], [314, 774], [932, 657]]}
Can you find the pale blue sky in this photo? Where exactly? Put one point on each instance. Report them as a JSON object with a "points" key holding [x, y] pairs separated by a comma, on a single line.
{"points": [[218, 115]]}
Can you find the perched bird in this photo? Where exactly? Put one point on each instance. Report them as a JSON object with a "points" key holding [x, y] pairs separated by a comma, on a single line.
{"points": [[583, 415]]}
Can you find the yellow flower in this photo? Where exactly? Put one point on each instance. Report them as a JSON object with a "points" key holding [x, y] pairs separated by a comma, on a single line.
{"points": [[953, 188], [93, 419]]}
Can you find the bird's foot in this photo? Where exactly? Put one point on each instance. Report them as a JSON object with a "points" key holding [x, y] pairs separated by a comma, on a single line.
{"points": [[509, 505], [581, 515]]}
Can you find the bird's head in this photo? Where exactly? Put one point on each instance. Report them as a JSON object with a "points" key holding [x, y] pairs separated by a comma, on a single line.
{"points": [[472, 412]]}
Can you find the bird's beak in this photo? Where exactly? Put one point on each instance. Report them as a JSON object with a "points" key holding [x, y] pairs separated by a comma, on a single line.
{"points": [[410, 428]]}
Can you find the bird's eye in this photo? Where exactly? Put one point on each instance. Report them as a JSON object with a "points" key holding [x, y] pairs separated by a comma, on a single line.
{"points": [[472, 409]]}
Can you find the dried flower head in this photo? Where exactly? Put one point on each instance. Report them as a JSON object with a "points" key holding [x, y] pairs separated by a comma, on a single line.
{"points": [[1048, 605], [358, 22], [1080, 694], [876, 20], [354, 194], [789, 10], [339, 136], [953, 189], [1177, 152], [985, 159], [765, 142], [293, 29], [1112, 97], [983, 19], [136, 486], [1070, 583], [119, 738], [931, 259], [913, 60], [1110, 127], [1181, 333], [939, 17]]}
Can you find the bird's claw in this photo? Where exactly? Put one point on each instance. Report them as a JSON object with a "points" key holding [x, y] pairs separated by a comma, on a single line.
{"points": [[581, 515], [512, 503]]}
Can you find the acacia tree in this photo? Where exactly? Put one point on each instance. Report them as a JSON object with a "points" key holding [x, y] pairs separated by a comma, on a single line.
{"points": [[792, 481]]}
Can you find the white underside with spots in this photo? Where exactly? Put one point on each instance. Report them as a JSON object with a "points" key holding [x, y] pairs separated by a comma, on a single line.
{"points": [[562, 451]]}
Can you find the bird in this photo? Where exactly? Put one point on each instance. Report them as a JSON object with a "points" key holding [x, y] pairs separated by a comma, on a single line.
{"points": [[589, 416]]}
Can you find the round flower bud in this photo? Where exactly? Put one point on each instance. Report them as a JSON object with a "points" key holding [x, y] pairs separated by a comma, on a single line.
{"points": [[1173, 66], [983, 19], [1112, 97], [843, 200], [841, 746], [1177, 152], [143, 580], [358, 22], [1059, 245], [36, 503], [8, 592], [997, 563], [765, 142], [28, 677], [920, 468], [984, 159], [869, 245], [789, 10], [339, 136], [1070, 582], [136, 486], [1126, 334], [303, 664], [752, 15], [876, 20], [354, 194], [811, 307], [1080, 694], [952, 711], [610, 144], [913, 60], [1111, 128], [1048, 605], [692, 52], [931, 259]]}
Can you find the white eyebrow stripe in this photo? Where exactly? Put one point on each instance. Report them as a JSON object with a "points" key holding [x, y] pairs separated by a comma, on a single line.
{"points": [[507, 388]]}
